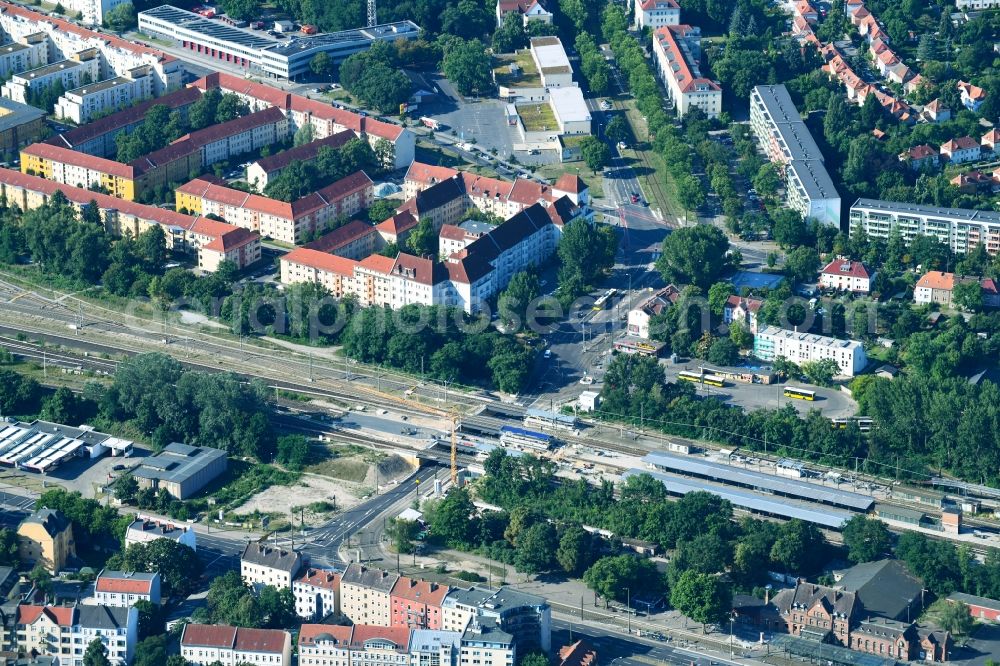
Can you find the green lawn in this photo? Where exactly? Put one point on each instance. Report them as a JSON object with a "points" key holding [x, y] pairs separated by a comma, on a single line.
{"points": [[527, 77], [538, 118]]}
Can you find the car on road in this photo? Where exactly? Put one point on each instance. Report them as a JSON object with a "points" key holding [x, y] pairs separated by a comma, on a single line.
{"points": [[635, 198], [587, 381], [547, 354], [118, 468]]}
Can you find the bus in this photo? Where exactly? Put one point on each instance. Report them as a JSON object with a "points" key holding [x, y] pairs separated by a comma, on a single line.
{"points": [[799, 393], [702, 378], [864, 423], [603, 299], [689, 376], [713, 380]]}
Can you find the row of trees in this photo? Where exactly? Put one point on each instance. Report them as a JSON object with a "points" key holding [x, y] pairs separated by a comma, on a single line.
{"points": [[162, 126]]}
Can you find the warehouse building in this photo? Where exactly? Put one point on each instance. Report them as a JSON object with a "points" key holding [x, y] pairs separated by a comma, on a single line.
{"points": [[183, 470]]}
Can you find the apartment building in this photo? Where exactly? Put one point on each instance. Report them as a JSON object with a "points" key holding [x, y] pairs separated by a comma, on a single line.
{"points": [[358, 645], [525, 617], [80, 68], [316, 593], [204, 644], [429, 647], [65, 632], [773, 342], [530, 10], [261, 172], [972, 96], [485, 644], [677, 49], [921, 157], [961, 150], [959, 228], [83, 103], [264, 564], [779, 129], [845, 274], [173, 163], [656, 13], [17, 57], [742, 310], [937, 287], [66, 38], [324, 118], [365, 594], [454, 238], [657, 303], [145, 530], [286, 222], [121, 589], [93, 10], [416, 603], [355, 240], [976, 5], [20, 124], [46, 538]]}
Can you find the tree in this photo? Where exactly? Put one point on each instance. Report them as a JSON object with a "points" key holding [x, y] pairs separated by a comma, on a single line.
{"points": [[18, 394], [122, 18], [821, 372], [152, 651], [956, 618], [96, 654], [576, 550], [968, 295], [41, 578], [718, 294], [64, 406], [293, 451], [467, 66], [585, 252], [723, 352], [423, 241], [178, 565], [694, 254], [536, 548], [304, 134], [150, 619], [739, 335], [402, 534], [702, 597], [798, 546], [595, 153], [231, 107], [510, 36], [450, 518], [802, 264], [766, 180], [690, 192], [534, 658], [619, 577], [320, 64], [381, 210], [514, 301], [866, 539], [59, 9], [617, 129], [242, 10]]}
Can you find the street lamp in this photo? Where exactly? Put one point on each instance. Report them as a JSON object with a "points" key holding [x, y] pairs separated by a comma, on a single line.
{"points": [[628, 608]]}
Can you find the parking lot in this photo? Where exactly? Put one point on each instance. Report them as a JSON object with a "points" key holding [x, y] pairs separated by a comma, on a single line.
{"points": [[479, 121]]}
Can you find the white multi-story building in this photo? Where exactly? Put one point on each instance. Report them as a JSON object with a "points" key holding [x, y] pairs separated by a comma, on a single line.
{"points": [[264, 564], [65, 39], [78, 70], [204, 644], [17, 57], [773, 342], [65, 632], [525, 617], [656, 304], [93, 11], [742, 310], [316, 592], [678, 51], [530, 10], [432, 647], [357, 645], [485, 644], [961, 150], [847, 275], [83, 103], [144, 530], [123, 588], [959, 228], [976, 5], [809, 190], [656, 13]]}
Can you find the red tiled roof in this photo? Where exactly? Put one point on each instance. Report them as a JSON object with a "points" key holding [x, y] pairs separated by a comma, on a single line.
{"points": [[961, 143], [305, 152], [419, 269], [516, 5], [398, 223], [847, 268], [429, 173], [29, 613], [423, 591], [667, 38], [922, 151], [329, 580], [231, 240], [341, 236], [310, 633], [528, 192], [971, 91], [323, 261], [366, 632], [648, 5], [297, 104], [937, 280], [378, 263], [123, 585], [748, 304], [452, 232], [569, 182], [66, 156], [67, 26], [260, 640], [991, 138], [332, 193], [236, 638], [577, 654]]}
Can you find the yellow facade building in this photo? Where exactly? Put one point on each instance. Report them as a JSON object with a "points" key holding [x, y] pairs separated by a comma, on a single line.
{"points": [[46, 537]]}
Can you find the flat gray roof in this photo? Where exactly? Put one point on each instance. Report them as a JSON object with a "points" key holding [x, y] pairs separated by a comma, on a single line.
{"points": [[814, 178], [769, 505], [92, 88], [216, 29], [45, 70], [695, 466], [345, 37], [17, 113], [177, 462], [903, 208]]}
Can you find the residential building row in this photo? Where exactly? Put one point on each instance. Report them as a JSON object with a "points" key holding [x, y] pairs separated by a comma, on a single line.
{"points": [[772, 343], [783, 135], [938, 287], [375, 597], [271, 218], [857, 89], [61, 40], [325, 119], [677, 50], [265, 169], [212, 242], [93, 99], [960, 150], [174, 163], [959, 228], [259, 53], [205, 644], [64, 632]]}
